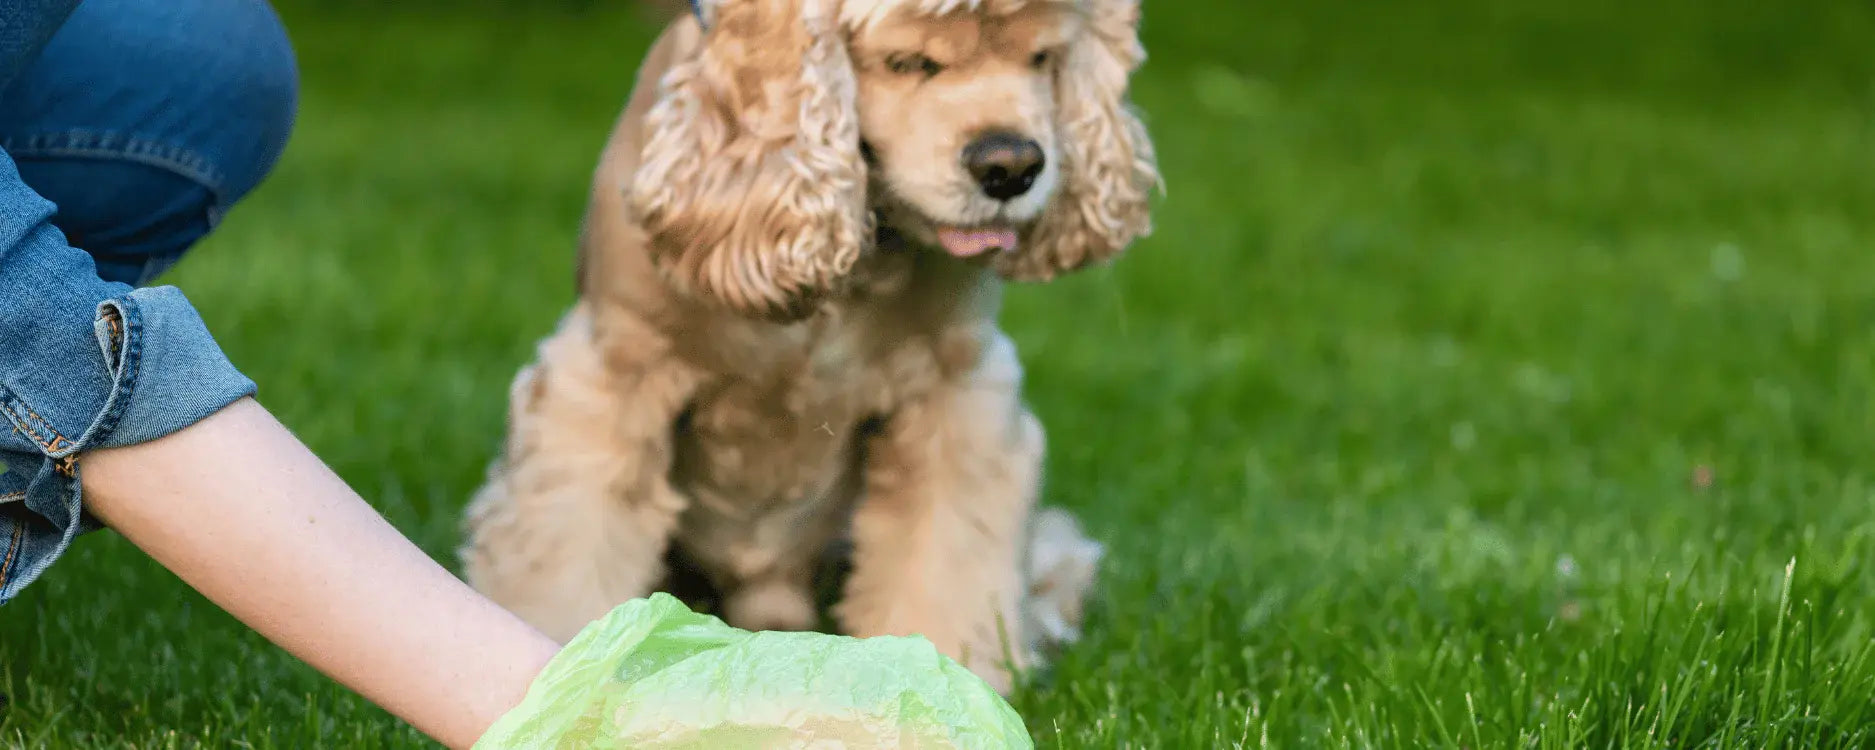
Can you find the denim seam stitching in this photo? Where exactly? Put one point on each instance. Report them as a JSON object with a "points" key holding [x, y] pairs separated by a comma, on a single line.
{"points": [[129, 364], [30, 427], [13, 548], [92, 144]]}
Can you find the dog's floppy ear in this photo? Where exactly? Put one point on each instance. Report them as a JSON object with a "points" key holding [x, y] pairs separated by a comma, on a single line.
{"points": [[1109, 168], [751, 185]]}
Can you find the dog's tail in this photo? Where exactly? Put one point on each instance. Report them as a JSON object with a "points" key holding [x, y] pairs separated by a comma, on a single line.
{"points": [[1063, 562]]}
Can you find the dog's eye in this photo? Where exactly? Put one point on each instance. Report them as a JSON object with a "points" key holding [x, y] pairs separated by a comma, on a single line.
{"points": [[1042, 58], [908, 63]]}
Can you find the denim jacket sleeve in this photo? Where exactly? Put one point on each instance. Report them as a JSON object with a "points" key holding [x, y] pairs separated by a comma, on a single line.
{"points": [[84, 364]]}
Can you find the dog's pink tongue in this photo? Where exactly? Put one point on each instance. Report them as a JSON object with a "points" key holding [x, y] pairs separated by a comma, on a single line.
{"points": [[969, 243]]}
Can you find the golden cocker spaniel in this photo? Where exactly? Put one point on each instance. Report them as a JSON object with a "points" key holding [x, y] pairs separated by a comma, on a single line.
{"points": [[786, 332]]}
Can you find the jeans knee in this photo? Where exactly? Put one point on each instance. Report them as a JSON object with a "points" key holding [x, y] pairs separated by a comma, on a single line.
{"points": [[250, 85], [273, 103], [208, 89]]}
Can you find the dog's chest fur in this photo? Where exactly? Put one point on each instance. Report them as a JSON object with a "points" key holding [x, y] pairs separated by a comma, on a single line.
{"points": [[771, 450]]}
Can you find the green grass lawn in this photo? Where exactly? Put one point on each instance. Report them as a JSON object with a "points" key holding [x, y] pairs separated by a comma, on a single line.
{"points": [[1500, 374]]}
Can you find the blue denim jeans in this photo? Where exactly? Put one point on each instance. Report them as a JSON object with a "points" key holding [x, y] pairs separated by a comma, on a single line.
{"points": [[128, 129]]}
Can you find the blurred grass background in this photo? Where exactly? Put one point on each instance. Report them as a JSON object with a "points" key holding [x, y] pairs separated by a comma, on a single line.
{"points": [[1501, 373]]}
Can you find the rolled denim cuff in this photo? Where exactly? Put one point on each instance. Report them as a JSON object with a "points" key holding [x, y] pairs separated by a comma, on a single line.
{"points": [[167, 371], [148, 368]]}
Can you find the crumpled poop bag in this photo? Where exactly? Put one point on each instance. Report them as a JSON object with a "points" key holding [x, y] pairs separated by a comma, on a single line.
{"points": [[654, 675]]}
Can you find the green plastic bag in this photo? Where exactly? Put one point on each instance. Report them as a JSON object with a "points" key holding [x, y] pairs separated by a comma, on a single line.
{"points": [[652, 674]]}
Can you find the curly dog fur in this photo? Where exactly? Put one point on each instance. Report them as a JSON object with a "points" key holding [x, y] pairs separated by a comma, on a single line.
{"points": [[781, 344]]}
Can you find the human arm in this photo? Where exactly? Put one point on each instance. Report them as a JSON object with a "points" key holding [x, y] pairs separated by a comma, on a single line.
{"points": [[240, 510]]}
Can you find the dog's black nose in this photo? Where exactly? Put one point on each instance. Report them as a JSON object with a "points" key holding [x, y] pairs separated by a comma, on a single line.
{"points": [[1005, 164]]}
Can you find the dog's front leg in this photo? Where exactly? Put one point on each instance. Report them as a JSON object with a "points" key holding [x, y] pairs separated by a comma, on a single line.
{"points": [[939, 535], [576, 515]]}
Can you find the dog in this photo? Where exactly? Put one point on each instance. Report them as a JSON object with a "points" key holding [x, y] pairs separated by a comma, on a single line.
{"points": [[785, 334]]}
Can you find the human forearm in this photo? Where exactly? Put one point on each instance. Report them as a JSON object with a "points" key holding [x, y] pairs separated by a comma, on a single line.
{"points": [[243, 512]]}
